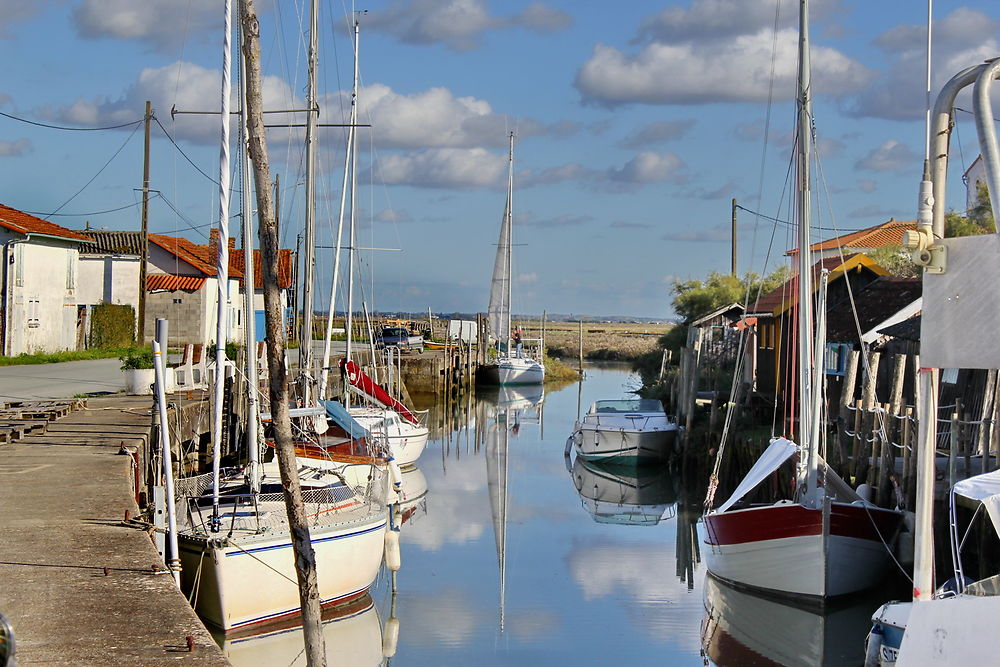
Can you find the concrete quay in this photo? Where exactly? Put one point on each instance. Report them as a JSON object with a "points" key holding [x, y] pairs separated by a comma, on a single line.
{"points": [[77, 583]]}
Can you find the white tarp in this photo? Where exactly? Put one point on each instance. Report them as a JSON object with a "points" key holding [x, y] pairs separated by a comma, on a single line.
{"points": [[986, 489], [779, 451]]}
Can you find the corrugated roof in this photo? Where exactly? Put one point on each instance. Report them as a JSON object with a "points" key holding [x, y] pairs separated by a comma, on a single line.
{"points": [[165, 281], [113, 243], [237, 263], [787, 295], [25, 223], [874, 303], [887, 233]]}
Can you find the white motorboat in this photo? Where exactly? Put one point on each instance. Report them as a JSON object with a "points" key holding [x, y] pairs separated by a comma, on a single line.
{"points": [[625, 431]]}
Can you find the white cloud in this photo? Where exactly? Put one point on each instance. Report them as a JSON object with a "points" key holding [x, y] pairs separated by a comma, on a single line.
{"points": [[163, 24], [648, 167], [735, 69], [458, 24], [182, 84], [567, 172], [963, 38], [464, 168], [15, 148], [890, 156], [719, 19], [657, 133], [392, 215]]}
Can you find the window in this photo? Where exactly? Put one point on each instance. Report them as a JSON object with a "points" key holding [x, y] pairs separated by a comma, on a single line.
{"points": [[949, 375], [177, 300], [33, 312], [836, 358], [19, 265], [70, 271]]}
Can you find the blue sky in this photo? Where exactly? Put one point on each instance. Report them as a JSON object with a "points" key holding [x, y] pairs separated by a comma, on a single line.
{"points": [[636, 123]]}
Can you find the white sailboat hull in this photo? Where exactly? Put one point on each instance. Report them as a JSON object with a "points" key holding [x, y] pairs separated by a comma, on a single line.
{"points": [[246, 581], [513, 370], [784, 548]]}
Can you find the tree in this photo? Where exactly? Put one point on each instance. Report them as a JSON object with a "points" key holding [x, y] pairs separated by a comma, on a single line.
{"points": [[896, 260], [695, 298], [978, 220]]}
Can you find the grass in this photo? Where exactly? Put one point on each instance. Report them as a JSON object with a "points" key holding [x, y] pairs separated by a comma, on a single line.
{"points": [[69, 355], [556, 371], [610, 341]]}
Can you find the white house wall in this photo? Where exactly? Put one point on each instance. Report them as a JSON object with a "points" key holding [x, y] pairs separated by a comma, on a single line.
{"points": [[109, 279], [40, 306]]}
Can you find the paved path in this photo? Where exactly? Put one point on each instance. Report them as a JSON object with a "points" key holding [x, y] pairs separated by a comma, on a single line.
{"points": [[62, 380], [75, 582]]}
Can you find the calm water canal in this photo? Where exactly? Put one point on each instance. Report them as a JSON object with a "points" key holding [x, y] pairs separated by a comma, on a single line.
{"points": [[511, 556]]}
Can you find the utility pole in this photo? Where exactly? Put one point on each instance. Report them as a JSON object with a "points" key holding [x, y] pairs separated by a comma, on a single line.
{"points": [[144, 259], [298, 523], [733, 271]]}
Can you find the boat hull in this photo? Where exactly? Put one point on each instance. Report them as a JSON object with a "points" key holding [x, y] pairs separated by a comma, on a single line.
{"points": [[406, 448], [511, 371], [784, 548], [244, 582], [624, 446]]}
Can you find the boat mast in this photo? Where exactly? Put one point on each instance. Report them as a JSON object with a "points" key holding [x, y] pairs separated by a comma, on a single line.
{"points": [[510, 235], [249, 291], [309, 265], [325, 372], [222, 269], [349, 322], [805, 320]]}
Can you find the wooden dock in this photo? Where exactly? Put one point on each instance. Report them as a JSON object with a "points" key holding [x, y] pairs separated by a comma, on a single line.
{"points": [[82, 584]]}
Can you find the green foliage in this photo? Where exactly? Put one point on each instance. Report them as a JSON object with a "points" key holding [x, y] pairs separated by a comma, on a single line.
{"points": [[58, 357], [112, 326], [140, 357], [232, 350], [695, 298], [895, 260], [978, 221]]}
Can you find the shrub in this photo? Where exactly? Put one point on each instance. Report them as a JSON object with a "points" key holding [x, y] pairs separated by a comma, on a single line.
{"points": [[112, 326], [140, 357]]}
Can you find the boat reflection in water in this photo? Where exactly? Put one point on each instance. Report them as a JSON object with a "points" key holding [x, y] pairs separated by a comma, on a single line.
{"points": [[742, 628], [413, 495], [353, 635], [627, 495]]}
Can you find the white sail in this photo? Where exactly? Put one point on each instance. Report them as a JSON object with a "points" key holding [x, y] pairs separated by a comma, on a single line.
{"points": [[499, 311], [496, 477]]}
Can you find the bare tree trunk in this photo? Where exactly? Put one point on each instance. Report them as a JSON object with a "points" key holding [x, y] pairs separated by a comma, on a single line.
{"points": [[305, 557]]}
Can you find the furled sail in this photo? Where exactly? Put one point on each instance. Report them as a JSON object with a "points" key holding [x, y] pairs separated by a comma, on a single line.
{"points": [[499, 311]]}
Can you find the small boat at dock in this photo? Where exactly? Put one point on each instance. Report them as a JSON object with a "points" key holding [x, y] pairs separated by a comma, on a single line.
{"points": [[625, 431]]}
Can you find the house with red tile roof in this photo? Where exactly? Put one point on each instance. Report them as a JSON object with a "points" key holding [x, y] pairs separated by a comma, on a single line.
{"points": [[772, 325], [864, 240], [39, 310], [181, 281]]}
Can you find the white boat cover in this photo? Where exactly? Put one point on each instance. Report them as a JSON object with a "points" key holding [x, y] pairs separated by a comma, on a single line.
{"points": [[779, 451], [984, 488]]}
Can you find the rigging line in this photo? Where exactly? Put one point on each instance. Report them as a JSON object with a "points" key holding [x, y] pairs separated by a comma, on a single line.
{"points": [[970, 112], [183, 218], [72, 215], [99, 171], [179, 150], [792, 224], [67, 128]]}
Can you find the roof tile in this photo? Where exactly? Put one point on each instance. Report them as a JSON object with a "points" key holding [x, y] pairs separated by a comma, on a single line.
{"points": [[25, 223]]}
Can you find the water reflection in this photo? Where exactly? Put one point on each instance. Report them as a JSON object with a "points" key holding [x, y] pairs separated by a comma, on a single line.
{"points": [[627, 495], [352, 632], [413, 495], [742, 628]]}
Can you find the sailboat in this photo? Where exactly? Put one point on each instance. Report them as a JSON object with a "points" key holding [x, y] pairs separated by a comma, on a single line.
{"points": [[951, 625], [234, 536], [826, 541], [497, 446], [510, 366]]}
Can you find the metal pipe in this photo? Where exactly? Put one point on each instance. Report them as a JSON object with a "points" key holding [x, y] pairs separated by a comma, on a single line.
{"points": [[159, 368], [923, 549], [987, 131]]}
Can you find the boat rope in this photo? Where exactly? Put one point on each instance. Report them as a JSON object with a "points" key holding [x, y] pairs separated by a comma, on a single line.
{"points": [[230, 543], [196, 586], [885, 544]]}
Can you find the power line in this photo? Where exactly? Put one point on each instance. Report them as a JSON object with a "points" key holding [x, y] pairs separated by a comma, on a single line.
{"points": [[80, 215], [179, 150], [792, 224], [70, 129]]}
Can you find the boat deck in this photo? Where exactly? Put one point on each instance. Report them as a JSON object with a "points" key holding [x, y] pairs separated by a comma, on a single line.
{"points": [[78, 581]]}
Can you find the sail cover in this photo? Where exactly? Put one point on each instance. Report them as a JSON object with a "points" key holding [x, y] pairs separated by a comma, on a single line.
{"points": [[342, 418], [499, 311], [374, 392], [779, 451], [985, 489]]}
